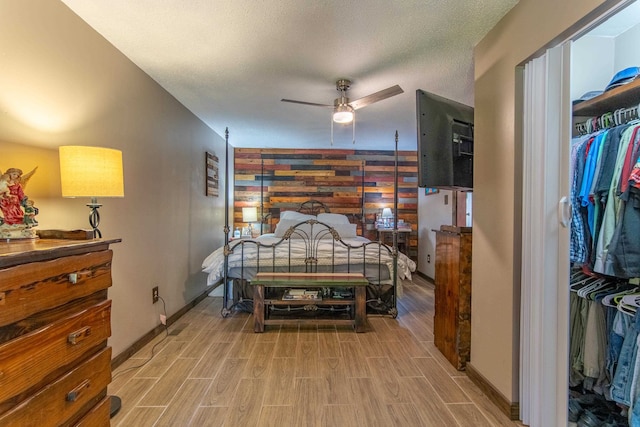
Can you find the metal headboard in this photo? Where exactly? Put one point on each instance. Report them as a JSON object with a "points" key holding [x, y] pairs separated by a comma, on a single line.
{"points": [[312, 207]]}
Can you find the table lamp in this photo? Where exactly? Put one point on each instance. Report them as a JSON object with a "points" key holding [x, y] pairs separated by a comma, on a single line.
{"points": [[250, 215], [91, 172], [386, 217]]}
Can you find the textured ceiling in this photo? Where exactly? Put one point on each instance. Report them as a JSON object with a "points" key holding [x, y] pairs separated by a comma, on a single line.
{"points": [[230, 62]]}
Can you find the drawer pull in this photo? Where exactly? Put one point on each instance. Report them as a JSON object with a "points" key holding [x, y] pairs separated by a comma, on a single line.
{"points": [[77, 336], [73, 277], [73, 395]]}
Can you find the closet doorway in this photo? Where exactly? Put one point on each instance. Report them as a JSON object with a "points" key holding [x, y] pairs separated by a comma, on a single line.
{"points": [[606, 97], [551, 83]]}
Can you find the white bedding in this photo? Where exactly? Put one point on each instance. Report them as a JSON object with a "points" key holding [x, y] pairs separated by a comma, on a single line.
{"points": [[328, 251]]}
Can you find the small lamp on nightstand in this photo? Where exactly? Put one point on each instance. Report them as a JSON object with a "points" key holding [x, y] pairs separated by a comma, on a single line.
{"points": [[250, 215], [386, 217]]}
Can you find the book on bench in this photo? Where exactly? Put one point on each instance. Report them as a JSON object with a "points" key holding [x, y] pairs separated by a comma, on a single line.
{"points": [[302, 294]]}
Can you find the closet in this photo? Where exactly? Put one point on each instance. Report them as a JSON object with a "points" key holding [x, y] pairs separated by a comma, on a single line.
{"points": [[604, 240]]}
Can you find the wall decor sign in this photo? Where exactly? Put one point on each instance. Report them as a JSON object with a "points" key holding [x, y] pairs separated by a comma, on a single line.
{"points": [[211, 183]]}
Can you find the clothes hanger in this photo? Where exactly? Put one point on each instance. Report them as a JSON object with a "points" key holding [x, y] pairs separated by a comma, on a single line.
{"points": [[626, 309], [616, 118], [577, 274], [576, 286], [631, 300], [598, 294], [606, 296], [599, 283], [586, 280]]}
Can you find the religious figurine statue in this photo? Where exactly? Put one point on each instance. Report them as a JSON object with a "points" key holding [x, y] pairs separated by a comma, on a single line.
{"points": [[17, 211]]}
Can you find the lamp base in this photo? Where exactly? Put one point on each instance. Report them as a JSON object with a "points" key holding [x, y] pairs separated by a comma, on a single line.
{"points": [[94, 217]]}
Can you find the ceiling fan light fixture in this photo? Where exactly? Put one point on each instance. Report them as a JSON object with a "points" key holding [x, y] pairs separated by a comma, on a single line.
{"points": [[343, 114]]}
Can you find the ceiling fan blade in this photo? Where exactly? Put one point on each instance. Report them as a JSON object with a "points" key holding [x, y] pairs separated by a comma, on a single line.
{"points": [[306, 103], [375, 97]]}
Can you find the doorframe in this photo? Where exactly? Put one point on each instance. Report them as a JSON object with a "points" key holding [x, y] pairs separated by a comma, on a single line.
{"points": [[540, 382]]}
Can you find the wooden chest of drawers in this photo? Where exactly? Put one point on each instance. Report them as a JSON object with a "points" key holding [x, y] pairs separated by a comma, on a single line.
{"points": [[55, 319], [452, 319]]}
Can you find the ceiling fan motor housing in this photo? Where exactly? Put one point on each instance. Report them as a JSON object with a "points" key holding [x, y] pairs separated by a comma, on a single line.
{"points": [[343, 85], [342, 111]]}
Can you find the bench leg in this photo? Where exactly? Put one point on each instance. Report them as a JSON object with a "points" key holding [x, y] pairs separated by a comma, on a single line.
{"points": [[258, 308], [361, 309]]}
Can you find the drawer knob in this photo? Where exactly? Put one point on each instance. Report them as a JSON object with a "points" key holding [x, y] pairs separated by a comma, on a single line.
{"points": [[77, 336], [73, 277], [73, 395]]}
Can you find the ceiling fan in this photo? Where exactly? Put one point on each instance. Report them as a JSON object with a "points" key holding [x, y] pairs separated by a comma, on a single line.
{"points": [[343, 109]]}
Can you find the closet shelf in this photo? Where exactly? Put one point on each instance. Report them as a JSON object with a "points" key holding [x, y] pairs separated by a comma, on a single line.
{"points": [[623, 96]]}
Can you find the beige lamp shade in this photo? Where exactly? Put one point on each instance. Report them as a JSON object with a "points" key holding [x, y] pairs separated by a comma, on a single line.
{"points": [[386, 213], [91, 172], [249, 214]]}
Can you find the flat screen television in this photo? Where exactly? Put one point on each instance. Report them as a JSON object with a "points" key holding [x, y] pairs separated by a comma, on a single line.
{"points": [[445, 143]]}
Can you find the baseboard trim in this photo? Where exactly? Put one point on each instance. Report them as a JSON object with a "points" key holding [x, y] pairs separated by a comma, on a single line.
{"points": [[510, 409], [146, 338], [425, 277]]}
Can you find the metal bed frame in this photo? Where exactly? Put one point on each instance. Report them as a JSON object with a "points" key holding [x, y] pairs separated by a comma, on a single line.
{"points": [[311, 233]]}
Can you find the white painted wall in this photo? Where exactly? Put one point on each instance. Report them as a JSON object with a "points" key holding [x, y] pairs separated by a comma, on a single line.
{"points": [[523, 33], [434, 210], [62, 83], [627, 53], [595, 59], [591, 71]]}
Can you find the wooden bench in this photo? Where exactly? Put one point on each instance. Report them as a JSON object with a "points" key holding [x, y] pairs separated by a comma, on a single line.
{"points": [[309, 281]]}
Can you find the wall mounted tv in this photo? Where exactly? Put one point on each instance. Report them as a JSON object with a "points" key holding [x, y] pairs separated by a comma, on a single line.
{"points": [[445, 143]]}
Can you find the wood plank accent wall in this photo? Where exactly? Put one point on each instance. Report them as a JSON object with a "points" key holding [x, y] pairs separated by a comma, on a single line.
{"points": [[334, 177]]}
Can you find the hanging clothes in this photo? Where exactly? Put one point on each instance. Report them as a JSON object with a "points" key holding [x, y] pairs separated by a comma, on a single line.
{"points": [[611, 258], [601, 165]]}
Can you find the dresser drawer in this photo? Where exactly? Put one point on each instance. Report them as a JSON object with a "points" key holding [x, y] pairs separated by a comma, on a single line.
{"points": [[30, 288], [99, 416], [60, 402], [30, 361]]}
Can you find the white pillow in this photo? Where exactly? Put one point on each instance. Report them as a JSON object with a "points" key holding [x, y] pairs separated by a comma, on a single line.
{"points": [[304, 230], [284, 224], [345, 230], [332, 218], [296, 216]]}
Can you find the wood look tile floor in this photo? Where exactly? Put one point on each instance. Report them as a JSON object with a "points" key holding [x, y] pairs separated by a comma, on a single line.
{"points": [[214, 371]]}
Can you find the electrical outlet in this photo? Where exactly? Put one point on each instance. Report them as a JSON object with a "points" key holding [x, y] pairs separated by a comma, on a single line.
{"points": [[428, 258], [155, 294]]}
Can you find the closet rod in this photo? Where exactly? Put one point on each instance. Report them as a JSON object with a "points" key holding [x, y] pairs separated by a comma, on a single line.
{"points": [[609, 119]]}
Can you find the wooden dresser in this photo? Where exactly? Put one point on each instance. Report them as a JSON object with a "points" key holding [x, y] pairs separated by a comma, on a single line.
{"points": [[452, 319], [54, 323]]}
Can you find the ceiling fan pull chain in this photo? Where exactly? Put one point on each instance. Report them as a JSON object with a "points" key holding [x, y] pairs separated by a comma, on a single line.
{"points": [[331, 120], [353, 125]]}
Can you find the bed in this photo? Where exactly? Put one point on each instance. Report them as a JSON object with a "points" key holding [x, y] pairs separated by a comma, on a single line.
{"points": [[304, 242], [309, 239]]}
